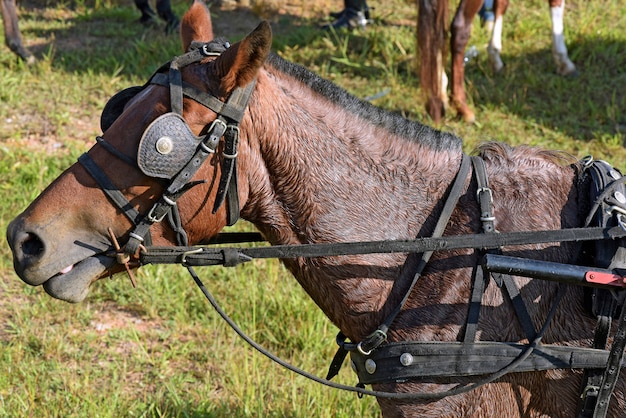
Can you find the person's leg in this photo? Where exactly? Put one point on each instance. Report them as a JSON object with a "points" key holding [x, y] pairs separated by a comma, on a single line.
{"points": [[164, 9], [487, 16], [147, 14]]}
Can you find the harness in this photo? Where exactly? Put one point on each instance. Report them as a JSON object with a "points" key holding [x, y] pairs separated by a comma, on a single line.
{"points": [[170, 151], [433, 361]]}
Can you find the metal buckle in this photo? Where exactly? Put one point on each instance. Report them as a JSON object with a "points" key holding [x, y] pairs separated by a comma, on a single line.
{"points": [[183, 257], [621, 220], [150, 216], [212, 138], [586, 161], [484, 190], [379, 335], [360, 349], [620, 215]]}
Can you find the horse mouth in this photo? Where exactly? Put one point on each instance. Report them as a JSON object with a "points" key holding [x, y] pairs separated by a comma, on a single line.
{"points": [[71, 284]]}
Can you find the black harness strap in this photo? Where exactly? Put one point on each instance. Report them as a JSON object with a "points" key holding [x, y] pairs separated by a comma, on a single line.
{"points": [[432, 361], [613, 367], [238, 100], [520, 307], [379, 336], [210, 256], [197, 53], [111, 190], [226, 109], [479, 282], [479, 278]]}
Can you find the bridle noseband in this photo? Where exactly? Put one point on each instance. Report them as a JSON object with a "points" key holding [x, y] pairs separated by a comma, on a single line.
{"points": [[169, 150]]}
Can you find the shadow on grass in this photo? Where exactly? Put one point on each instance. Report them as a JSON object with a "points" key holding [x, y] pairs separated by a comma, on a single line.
{"points": [[111, 39], [587, 106]]}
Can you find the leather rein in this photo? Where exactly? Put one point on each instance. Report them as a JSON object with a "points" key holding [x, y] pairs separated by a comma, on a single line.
{"points": [[373, 355]]}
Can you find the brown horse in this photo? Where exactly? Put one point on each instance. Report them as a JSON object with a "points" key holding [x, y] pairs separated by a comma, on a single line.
{"points": [[12, 35], [431, 37], [317, 165]]}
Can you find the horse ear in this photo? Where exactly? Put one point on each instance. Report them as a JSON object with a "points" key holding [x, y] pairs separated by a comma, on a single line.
{"points": [[239, 64], [196, 25]]}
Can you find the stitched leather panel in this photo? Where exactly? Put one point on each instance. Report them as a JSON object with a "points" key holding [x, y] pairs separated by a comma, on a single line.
{"points": [[166, 146]]}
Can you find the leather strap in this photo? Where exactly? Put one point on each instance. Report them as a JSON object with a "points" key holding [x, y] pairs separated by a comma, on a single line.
{"points": [[376, 338], [111, 190], [484, 198], [206, 257], [613, 367], [426, 361]]}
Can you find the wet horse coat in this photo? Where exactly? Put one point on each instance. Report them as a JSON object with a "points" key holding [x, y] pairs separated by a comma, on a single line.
{"points": [[317, 165]]}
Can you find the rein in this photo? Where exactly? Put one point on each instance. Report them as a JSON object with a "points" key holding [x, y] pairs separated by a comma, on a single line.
{"points": [[232, 256]]}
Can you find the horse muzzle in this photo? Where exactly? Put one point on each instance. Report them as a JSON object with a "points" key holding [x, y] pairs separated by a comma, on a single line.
{"points": [[66, 270]]}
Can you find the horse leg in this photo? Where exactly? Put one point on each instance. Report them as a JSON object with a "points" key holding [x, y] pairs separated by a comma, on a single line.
{"points": [[164, 9], [147, 14], [432, 16], [495, 43], [559, 51], [461, 29], [12, 35]]}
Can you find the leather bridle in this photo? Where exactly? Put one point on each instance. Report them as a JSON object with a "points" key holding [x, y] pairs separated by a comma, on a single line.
{"points": [[226, 125]]}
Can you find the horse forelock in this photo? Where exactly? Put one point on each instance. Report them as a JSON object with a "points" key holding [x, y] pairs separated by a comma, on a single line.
{"points": [[390, 121]]}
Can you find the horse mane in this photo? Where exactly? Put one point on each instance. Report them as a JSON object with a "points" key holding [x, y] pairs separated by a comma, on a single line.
{"points": [[390, 121], [506, 155]]}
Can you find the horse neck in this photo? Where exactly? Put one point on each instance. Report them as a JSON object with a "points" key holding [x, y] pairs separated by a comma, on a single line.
{"points": [[315, 171], [311, 158]]}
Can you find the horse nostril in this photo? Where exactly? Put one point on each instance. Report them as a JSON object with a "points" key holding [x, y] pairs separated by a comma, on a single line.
{"points": [[31, 245]]}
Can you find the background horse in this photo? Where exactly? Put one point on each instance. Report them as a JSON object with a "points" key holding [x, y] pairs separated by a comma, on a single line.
{"points": [[317, 165], [432, 26], [12, 35]]}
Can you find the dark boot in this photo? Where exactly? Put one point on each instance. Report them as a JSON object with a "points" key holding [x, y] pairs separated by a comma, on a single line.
{"points": [[356, 14], [148, 17], [164, 9]]}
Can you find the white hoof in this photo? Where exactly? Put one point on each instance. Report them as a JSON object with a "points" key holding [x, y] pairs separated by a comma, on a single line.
{"points": [[494, 59], [564, 66]]}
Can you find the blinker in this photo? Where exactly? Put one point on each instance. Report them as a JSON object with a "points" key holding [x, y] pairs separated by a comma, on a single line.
{"points": [[166, 146]]}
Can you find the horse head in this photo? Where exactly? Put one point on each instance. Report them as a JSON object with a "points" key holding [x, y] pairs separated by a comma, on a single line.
{"points": [[159, 145]]}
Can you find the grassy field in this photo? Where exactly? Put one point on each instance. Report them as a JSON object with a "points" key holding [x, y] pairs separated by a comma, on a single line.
{"points": [[159, 350]]}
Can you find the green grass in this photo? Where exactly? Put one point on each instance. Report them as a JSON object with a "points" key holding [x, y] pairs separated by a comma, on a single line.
{"points": [[159, 350]]}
